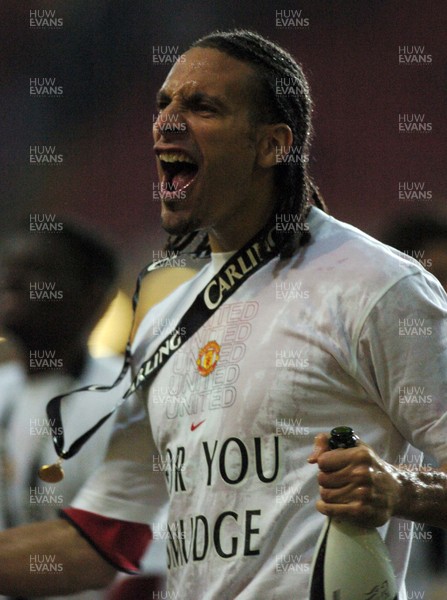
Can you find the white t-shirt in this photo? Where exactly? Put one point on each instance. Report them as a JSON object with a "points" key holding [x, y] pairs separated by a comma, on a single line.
{"points": [[346, 332]]}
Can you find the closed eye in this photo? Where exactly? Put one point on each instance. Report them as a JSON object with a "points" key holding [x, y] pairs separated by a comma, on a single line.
{"points": [[200, 103], [162, 104], [162, 100]]}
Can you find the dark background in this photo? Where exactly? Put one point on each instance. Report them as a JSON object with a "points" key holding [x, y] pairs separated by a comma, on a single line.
{"points": [[103, 58]]}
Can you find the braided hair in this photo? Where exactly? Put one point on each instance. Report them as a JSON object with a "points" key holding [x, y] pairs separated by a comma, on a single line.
{"points": [[273, 66]]}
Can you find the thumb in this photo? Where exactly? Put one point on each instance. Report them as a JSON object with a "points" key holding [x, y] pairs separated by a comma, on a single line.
{"points": [[321, 444]]}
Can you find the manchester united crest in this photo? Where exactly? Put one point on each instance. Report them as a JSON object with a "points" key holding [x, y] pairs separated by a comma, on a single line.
{"points": [[208, 358]]}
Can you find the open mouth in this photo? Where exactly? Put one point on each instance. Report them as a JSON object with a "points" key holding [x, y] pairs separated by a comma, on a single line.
{"points": [[179, 171]]}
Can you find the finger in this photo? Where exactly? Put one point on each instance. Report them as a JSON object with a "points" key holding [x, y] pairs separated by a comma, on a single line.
{"points": [[354, 512], [342, 510], [321, 445], [353, 475], [335, 479], [349, 494], [341, 458]]}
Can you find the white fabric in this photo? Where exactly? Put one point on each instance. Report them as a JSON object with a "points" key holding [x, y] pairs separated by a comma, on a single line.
{"points": [[326, 338], [27, 442]]}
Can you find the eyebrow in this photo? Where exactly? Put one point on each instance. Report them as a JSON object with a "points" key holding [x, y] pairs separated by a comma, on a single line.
{"points": [[162, 95], [194, 98]]}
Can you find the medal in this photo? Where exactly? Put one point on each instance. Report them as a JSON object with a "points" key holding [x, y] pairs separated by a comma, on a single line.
{"points": [[52, 473]]}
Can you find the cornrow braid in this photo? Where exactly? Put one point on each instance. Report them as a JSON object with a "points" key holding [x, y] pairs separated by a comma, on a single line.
{"points": [[275, 69]]}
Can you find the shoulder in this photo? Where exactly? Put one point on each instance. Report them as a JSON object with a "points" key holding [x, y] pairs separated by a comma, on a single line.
{"points": [[163, 317], [340, 243], [346, 274], [352, 262]]}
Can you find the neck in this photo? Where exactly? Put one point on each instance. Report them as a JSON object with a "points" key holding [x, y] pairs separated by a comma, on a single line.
{"points": [[235, 233]]}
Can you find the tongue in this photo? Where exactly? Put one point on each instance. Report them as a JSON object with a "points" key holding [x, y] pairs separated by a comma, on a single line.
{"points": [[180, 180]]}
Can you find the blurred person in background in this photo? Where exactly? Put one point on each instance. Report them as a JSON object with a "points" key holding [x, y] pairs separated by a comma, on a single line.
{"points": [[54, 287]]}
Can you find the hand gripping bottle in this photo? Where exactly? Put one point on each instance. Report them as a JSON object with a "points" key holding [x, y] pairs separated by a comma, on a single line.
{"points": [[351, 562]]}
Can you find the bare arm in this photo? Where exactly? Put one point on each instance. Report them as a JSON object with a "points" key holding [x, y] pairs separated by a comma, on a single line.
{"points": [[423, 496], [357, 485], [49, 558]]}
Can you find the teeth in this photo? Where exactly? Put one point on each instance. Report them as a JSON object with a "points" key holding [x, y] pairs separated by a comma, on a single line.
{"points": [[171, 157]]}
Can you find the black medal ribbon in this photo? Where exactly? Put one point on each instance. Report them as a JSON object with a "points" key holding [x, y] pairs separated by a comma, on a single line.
{"points": [[236, 270], [53, 408]]}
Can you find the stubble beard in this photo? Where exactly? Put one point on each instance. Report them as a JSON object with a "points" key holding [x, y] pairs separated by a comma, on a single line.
{"points": [[183, 227]]}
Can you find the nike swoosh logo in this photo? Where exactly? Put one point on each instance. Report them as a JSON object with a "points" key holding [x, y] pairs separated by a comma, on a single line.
{"points": [[193, 426]]}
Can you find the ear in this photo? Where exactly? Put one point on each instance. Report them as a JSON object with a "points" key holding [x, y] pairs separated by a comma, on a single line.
{"points": [[273, 144]]}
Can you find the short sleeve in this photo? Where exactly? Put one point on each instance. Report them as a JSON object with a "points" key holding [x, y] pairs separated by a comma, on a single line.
{"points": [[402, 360], [121, 543], [127, 486]]}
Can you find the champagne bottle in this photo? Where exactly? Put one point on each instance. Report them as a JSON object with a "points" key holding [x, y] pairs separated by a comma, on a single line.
{"points": [[351, 562]]}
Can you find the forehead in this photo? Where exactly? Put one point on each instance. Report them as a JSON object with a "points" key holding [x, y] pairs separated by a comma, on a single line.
{"points": [[212, 72]]}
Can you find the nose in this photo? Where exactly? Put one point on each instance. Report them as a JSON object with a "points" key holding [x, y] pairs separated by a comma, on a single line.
{"points": [[169, 122]]}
